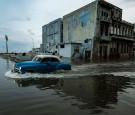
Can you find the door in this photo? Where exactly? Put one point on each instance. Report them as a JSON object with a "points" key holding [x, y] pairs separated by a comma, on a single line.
{"points": [[87, 54], [105, 52], [44, 66], [54, 62]]}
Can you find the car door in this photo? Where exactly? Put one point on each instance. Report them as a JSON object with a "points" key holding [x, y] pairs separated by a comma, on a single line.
{"points": [[53, 63], [44, 65]]}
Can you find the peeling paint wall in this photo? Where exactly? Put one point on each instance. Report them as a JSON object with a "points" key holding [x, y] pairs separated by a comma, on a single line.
{"points": [[79, 25]]}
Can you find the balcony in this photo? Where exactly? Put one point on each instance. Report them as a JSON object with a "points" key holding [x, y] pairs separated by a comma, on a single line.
{"points": [[105, 38], [123, 38], [105, 19]]}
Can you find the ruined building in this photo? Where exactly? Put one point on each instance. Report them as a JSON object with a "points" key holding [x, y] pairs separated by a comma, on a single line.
{"points": [[100, 31], [52, 35]]}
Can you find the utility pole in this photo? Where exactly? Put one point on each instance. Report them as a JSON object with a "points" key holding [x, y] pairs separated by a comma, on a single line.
{"points": [[33, 43], [6, 37]]}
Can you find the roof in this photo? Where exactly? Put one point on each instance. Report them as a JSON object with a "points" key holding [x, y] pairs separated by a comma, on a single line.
{"points": [[59, 19], [42, 56], [103, 2], [51, 56], [125, 22]]}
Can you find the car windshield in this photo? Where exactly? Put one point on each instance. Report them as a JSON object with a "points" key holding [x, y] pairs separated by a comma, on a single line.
{"points": [[37, 59]]}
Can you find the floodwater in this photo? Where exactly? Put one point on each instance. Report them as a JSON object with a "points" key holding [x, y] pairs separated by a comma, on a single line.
{"points": [[105, 88]]}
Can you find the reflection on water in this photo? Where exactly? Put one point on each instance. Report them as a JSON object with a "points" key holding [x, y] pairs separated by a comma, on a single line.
{"points": [[81, 91], [90, 92], [7, 62], [39, 83]]}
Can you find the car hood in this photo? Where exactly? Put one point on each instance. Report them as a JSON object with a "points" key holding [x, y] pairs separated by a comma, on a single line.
{"points": [[26, 63]]}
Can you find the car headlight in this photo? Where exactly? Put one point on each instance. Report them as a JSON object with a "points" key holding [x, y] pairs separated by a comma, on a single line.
{"points": [[20, 68]]}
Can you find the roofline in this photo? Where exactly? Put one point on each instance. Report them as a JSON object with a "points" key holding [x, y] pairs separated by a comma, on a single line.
{"points": [[78, 9], [131, 24], [61, 19], [112, 5]]}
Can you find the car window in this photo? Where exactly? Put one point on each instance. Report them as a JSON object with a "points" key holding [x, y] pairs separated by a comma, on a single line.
{"points": [[38, 59], [54, 60], [34, 59], [45, 60]]}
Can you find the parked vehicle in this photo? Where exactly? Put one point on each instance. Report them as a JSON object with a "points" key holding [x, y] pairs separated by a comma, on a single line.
{"points": [[42, 64]]}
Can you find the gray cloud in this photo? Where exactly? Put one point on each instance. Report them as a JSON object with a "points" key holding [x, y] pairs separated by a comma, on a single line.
{"points": [[15, 46], [30, 32], [129, 0], [21, 19], [28, 18], [5, 29]]}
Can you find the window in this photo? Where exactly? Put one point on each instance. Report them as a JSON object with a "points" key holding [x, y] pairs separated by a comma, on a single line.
{"points": [[54, 60], [51, 28], [62, 46], [69, 29], [56, 38], [37, 59], [47, 29], [111, 50], [45, 60], [102, 13], [111, 29], [76, 48], [106, 14], [56, 27], [121, 48]]}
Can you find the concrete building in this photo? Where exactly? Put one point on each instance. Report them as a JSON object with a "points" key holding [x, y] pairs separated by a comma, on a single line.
{"points": [[79, 27], [35, 50], [41, 48], [100, 29], [134, 42], [52, 35], [69, 49]]}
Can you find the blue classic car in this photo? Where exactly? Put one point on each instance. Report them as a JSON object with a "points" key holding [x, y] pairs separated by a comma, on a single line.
{"points": [[42, 64]]}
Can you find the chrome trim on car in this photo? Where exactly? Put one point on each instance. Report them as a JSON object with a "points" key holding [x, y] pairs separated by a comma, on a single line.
{"points": [[16, 70]]}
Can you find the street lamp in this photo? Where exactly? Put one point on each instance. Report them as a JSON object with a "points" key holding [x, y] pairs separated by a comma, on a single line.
{"points": [[33, 43], [6, 37]]}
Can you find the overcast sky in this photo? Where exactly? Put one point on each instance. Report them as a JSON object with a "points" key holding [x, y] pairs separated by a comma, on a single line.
{"points": [[22, 20]]}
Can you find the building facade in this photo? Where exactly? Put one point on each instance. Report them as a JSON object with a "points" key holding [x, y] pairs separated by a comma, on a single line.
{"points": [[79, 27], [114, 36], [69, 49], [52, 35], [100, 29]]}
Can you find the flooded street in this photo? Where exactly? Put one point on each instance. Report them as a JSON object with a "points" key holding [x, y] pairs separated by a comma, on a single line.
{"points": [[103, 88]]}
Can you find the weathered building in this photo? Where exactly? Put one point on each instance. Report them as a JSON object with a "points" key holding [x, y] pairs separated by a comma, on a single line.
{"points": [[79, 27], [100, 29], [114, 36], [52, 35], [134, 42], [69, 49]]}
